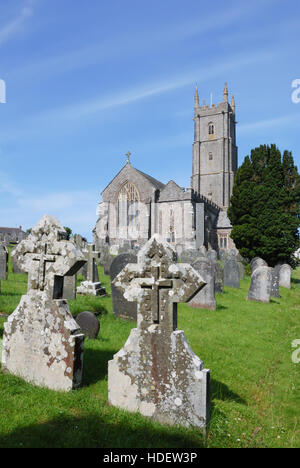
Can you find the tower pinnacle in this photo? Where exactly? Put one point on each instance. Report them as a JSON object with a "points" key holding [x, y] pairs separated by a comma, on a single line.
{"points": [[196, 99], [233, 103], [225, 92]]}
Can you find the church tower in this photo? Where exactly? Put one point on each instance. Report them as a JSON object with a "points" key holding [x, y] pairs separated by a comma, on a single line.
{"points": [[214, 150]]}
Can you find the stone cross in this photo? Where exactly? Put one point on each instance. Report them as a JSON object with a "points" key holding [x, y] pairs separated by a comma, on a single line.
{"points": [[42, 343], [47, 257], [128, 154], [156, 372], [91, 257], [157, 284]]}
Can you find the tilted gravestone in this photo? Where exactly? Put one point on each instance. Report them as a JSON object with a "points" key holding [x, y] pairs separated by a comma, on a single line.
{"points": [[42, 342], [89, 324], [3, 261], [285, 273], [205, 298], [260, 287], [231, 273], [121, 307], [91, 286], [156, 372]]}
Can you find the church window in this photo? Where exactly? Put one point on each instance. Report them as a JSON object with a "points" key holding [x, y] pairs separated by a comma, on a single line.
{"points": [[211, 128], [210, 156], [127, 206]]}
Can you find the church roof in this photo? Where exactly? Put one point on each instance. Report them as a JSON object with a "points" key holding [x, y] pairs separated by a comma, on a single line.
{"points": [[159, 185], [143, 181]]}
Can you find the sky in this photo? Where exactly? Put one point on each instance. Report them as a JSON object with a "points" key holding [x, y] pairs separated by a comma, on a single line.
{"points": [[86, 82]]}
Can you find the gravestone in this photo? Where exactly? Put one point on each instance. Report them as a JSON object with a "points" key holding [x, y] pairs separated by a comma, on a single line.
{"points": [[16, 268], [212, 256], [89, 324], [42, 342], [105, 260], [257, 262], [92, 286], [231, 273], [69, 288], [285, 273], [3, 261], [275, 282], [205, 298], [156, 372], [80, 243], [260, 287], [121, 307], [219, 278], [189, 255]]}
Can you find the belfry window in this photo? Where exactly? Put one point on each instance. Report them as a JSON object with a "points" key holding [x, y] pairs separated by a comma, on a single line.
{"points": [[211, 129], [128, 205]]}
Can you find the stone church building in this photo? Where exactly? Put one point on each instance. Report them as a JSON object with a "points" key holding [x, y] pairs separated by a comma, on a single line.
{"points": [[135, 205]]}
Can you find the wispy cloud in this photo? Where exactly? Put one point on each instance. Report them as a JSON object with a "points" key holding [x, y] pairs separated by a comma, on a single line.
{"points": [[13, 27], [290, 119], [200, 75]]}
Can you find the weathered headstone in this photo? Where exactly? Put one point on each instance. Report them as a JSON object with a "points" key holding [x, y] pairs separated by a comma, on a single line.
{"points": [[260, 287], [16, 268], [91, 286], [212, 256], [231, 273], [285, 273], [156, 373], [219, 278], [257, 262], [121, 307], [275, 282], [3, 261], [205, 298], [89, 324], [69, 288], [189, 256], [105, 260], [42, 342]]}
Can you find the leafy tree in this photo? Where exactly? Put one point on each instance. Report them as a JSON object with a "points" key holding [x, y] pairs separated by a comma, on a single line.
{"points": [[68, 231], [264, 207]]}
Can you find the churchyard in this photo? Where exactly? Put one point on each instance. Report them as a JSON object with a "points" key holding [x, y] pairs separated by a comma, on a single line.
{"points": [[254, 387]]}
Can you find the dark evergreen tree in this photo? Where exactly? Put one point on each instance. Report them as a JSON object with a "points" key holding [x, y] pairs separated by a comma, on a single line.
{"points": [[264, 207]]}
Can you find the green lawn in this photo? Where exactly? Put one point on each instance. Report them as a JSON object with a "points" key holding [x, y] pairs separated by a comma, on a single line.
{"points": [[255, 386]]}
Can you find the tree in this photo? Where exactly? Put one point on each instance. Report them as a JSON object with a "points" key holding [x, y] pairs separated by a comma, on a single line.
{"points": [[264, 207], [68, 231]]}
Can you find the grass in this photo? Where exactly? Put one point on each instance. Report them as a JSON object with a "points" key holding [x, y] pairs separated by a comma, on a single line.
{"points": [[255, 386]]}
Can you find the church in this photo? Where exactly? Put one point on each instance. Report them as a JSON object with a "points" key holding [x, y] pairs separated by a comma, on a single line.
{"points": [[135, 205]]}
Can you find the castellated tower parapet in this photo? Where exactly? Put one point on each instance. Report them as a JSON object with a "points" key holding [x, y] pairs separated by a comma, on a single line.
{"points": [[214, 150]]}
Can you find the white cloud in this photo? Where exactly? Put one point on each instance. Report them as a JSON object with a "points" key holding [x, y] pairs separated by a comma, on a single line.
{"points": [[12, 28], [290, 119]]}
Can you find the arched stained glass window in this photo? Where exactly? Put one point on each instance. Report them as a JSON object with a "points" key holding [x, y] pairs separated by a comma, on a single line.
{"points": [[128, 200]]}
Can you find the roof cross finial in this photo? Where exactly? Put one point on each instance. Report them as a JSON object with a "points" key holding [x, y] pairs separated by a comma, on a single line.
{"points": [[128, 154]]}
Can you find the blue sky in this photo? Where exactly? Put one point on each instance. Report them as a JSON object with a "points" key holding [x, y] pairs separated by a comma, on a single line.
{"points": [[88, 81]]}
